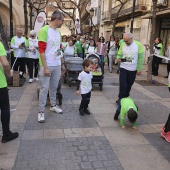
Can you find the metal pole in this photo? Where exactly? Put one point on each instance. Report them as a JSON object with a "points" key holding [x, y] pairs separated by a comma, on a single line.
{"points": [[132, 20], [11, 19]]}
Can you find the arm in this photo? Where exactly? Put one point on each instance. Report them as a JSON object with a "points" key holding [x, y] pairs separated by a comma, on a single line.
{"points": [[78, 87], [13, 44], [140, 58], [122, 117], [5, 65]]}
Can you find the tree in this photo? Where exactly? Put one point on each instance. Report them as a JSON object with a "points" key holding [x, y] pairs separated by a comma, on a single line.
{"points": [[122, 3], [152, 38], [36, 5], [70, 10]]}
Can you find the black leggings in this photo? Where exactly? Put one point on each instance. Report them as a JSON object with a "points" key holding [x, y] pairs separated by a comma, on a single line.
{"points": [[5, 110], [85, 101], [32, 65]]}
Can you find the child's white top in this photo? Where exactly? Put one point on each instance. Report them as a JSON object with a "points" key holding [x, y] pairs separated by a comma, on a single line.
{"points": [[85, 85]]}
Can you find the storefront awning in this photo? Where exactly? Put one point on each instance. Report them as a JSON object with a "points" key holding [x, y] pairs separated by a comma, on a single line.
{"points": [[149, 15], [120, 24]]}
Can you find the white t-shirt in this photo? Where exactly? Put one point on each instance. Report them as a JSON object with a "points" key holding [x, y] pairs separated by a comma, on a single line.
{"points": [[131, 54], [85, 85], [91, 49], [69, 50], [33, 44], [18, 52], [53, 44]]}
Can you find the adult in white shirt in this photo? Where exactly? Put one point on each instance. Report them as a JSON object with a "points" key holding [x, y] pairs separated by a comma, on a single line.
{"points": [[112, 52], [33, 56], [49, 42], [18, 43]]}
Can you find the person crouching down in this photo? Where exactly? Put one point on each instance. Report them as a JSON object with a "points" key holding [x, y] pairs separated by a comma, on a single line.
{"points": [[84, 83], [127, 107]]}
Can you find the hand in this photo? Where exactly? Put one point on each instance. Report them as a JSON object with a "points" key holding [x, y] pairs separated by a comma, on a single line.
{"points": [[123, 127], [32, 50], [118, 60], [11, 73], [138, 73], [75, 55], [77, 92], [134, 127], [47, 72]]}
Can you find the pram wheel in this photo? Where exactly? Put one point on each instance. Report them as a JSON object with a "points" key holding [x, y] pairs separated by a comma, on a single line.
{"points": [[101, 87], [60, 97]]}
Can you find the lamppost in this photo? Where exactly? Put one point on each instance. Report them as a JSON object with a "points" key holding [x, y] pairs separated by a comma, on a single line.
{"points": [[11, 18], [31, 14], [132, 19]]}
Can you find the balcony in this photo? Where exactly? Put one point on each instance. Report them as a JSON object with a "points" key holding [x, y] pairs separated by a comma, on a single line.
{"points": [[105, 16], [139, 8]]}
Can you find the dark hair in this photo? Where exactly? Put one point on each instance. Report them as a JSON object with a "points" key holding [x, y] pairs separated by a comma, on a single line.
{"points": [[86, 63], [56, 14], [159, 39], [102, 38], [132, 115], [112, 36]]}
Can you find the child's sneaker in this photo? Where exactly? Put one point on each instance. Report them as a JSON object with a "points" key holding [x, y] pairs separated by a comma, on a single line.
{"points": [[81, 112], [167, 136], [162, 132], [56, 109], [30, 80], [9, 137], [41, 117], [86, 111]]}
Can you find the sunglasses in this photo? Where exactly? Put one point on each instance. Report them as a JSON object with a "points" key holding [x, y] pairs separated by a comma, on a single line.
{"points": [[32, 36], [101, 39]]}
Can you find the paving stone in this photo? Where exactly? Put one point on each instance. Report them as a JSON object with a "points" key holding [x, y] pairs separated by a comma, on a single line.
{"points": [[86, 165]]}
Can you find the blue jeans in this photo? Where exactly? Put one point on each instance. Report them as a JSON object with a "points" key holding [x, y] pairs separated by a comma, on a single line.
{"points": [[126, 80], [80, 55], [102, 62]]}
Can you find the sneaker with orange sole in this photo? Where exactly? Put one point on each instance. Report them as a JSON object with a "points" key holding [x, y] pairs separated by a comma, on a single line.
{"points": [[167, 136], [162, 132]]}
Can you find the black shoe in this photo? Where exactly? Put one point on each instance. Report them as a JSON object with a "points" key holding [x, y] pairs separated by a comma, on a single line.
{"points": [[118, 101], [10, 137], [115, 117], [166, 77], [86, 111], [169, 89], [81, 112], [155, 74], [117, 71]]}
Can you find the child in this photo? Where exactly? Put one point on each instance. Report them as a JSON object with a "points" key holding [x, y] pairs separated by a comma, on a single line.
{"points": [[165, 131], [85, 86], [127, 107]]}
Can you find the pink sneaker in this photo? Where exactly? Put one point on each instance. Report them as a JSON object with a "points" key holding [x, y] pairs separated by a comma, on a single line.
{"points": [[162, 132], [167, 136]]}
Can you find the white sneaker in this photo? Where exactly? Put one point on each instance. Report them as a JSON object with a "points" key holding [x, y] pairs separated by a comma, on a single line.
{"points": [[30, 80], [41, 117], [36, 78], [56, 109]]}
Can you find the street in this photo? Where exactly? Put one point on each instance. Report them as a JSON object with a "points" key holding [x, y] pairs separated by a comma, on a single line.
{"points": [[69, 141]]}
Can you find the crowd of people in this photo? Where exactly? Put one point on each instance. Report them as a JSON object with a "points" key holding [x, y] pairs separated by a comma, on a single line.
{"points": [[47, 45]]}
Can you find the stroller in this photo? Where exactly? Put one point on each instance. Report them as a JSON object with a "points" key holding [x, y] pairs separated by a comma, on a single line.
{"points": [[97, 70], [73, 68], [59, 96]]}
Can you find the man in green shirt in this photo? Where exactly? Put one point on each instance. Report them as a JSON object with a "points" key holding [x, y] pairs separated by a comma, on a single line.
{"points": [[4, 97], [127, 107]]}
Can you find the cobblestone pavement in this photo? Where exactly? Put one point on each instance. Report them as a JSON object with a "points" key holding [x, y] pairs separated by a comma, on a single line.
{"points": [[69, 141]]}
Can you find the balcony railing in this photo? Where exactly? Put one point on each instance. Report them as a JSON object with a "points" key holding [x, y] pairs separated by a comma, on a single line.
{"points": [[125, 11], [105, 16]]}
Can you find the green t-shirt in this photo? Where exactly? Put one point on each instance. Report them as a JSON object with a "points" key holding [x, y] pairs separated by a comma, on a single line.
{"points": [[126, 104], [3, 82]]}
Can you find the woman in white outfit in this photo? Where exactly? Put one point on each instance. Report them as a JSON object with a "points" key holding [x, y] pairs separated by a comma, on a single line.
{"points": [[112, 52], [33, 56]]}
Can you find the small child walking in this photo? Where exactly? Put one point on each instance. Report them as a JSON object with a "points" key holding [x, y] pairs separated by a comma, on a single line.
{"points": [[127, 107], [84, 86]]}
